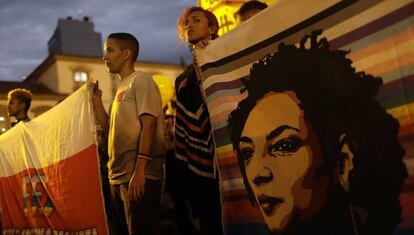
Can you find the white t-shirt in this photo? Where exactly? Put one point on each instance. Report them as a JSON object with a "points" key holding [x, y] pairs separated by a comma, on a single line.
{"points": [[136, 95]]}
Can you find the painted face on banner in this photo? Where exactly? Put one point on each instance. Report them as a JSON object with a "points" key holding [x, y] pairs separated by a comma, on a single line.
{"points": [[281, 155]]}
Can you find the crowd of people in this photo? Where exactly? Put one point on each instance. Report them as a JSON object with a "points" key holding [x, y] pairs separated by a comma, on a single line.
{"points": [[140, 142]]}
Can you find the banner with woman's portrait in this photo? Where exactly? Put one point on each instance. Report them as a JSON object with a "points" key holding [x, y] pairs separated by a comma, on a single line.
{"points": [[312, 113]]}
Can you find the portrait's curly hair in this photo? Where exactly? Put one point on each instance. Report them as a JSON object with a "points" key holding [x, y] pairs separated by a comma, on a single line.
{"points": [[336, 100]]}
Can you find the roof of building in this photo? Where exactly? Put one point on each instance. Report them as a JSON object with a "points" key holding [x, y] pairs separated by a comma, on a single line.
{"points": [[33, 76], [37, 89]]}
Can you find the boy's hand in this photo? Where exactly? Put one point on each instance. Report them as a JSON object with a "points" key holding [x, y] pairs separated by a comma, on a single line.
{"points": [[136, 187]]}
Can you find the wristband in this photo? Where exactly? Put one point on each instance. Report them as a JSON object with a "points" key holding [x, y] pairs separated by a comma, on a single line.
{"points": [[144, 156]]}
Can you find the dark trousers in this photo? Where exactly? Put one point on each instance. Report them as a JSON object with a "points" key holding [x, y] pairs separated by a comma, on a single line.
{"points": [[175, 179], [205, 201], [136, 217]]}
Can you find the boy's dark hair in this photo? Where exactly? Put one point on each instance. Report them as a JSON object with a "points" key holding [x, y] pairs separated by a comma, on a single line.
{"points": [[128, 41]]}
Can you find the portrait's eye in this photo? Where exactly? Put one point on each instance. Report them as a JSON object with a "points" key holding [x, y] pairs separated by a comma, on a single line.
{"points": [[246, 154], [285, 147]]}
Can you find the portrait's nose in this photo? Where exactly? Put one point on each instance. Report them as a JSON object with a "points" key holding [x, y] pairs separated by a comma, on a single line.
{"points": [[265, 175]]}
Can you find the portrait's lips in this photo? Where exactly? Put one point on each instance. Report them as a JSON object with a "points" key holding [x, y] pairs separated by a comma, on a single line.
{"points": [[268, 203]]}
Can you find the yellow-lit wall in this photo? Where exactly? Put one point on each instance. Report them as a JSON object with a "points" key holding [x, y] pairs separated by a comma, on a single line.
{"points": [[166, 86], [169, 70], [59, 75], [224, 11], [48, 78], [4, 124], [96, 71], [164, 76]]}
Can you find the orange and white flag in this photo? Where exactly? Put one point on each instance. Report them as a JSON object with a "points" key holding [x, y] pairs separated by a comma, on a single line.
{"points": [[49, 172]]}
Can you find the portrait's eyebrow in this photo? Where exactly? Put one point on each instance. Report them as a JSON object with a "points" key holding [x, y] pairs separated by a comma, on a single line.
{"points": [[278, 131], [246, 139]]}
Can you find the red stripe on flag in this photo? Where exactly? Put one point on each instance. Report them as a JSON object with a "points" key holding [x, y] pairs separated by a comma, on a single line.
{"points": [[65, 196]]}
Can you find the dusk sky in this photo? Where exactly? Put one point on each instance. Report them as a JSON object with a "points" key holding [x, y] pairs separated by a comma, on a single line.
{"points": [[27, 25]]}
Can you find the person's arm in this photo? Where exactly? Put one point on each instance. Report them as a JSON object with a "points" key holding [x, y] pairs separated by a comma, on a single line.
{"points": [[100, 114], [136, 187]]}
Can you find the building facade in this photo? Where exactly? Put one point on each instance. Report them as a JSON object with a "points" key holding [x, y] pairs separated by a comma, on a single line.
{"points": [[68, 67]]}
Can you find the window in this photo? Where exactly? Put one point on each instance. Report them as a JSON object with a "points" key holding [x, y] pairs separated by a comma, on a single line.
{"points": [[4, 119], [79, 78]]}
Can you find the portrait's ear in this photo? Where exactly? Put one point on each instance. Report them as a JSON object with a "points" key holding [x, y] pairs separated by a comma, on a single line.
{"points": [[345, 163]]}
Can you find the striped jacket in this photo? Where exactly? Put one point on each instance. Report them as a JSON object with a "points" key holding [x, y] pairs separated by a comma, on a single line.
{"points": [[194, 141]]}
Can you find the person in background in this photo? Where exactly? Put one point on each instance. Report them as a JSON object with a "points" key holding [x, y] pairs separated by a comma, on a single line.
{"points": [[18, 104], [249, 9], [177, 192], [195, 150]]}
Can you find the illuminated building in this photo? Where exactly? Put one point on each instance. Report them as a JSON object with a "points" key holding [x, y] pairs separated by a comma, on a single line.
{"points": [[224, 11], [69, 65]]}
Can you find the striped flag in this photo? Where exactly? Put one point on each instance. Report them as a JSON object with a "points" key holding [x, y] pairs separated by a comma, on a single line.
{"points": [[380, 35], [49, 172]]}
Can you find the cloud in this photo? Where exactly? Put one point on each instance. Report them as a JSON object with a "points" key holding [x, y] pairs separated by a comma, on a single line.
{"points": [[26, 27]]}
